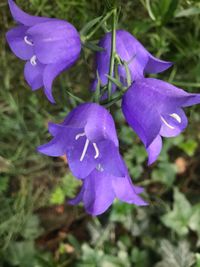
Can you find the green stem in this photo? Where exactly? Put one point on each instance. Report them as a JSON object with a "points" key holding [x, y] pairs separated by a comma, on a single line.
{"points": [[98, 26], [113, 52]]}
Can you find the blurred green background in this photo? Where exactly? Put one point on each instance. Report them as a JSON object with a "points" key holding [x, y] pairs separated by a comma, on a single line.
{"points": [[37, 226]]}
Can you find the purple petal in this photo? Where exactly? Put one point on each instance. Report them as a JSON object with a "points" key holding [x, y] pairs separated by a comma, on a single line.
{"points": [[54, 148], [55, 41], [96, 120], [139, 108], [154, 149], [22, 17], [100, 125], [98, 194], [58, 145], [173, 124], [138, 189], [155, 65], [81, 166], [125, 191], [166, 93], [15, 39], [111, 162], [50, 73], [130, 50], [34, 75], [55, 129], [79, 197]]}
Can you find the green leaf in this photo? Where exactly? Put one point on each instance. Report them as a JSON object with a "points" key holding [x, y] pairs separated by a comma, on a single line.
{"points": [[189, 147], [90, 25], [165, 173], [178, 218], [197, 260], [175, 256], [192, 11], [67, 188]]}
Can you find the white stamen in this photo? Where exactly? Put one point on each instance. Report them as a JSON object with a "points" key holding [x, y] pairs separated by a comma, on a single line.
{"points": [[96, 150], [26, 40], [79, 135], [166, 123], [33, 60], [176, 117], [85, 149]]}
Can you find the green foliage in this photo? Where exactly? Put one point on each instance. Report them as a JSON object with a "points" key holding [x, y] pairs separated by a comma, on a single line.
{"points": [[66, 188], [175, 256], [183, 216]]}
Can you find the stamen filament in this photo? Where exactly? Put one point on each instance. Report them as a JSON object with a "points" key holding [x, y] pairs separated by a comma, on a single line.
{"points": [[79, 135], [176, 117], [165, 122], [96, 150], [85, 149], [27, 41]]}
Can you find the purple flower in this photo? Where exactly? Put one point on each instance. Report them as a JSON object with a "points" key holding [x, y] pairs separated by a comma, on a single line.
{"points": [[88, 138], [100, 189], [130, 50], [153, 108], [48, 45]]}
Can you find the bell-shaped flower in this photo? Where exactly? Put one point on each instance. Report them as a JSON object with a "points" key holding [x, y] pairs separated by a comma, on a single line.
{"points": [[49, 46], [130, 51], [100, 189], [88, 138], [153, 108]]}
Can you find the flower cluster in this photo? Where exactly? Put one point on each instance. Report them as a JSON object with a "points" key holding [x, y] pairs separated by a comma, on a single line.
{"points": [[87, 136]]}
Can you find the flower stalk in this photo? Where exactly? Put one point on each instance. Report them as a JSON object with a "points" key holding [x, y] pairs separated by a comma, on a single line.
{"points": [[113, 52]]}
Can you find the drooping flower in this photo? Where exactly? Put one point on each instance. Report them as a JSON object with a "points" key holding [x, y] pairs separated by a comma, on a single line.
{"points": [[88, 138], [153, 108], [99, 190], [49, 46], [131, 51]]}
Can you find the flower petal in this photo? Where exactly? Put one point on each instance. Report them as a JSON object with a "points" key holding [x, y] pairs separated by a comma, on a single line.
{"points": [[154, 149], [98, 194], [100, 125], [58, 145], [34, 75], [111, 162], [167, 96], [81, 157], [125, 191], [173, 124], [22, 17], [15, 39], [55, 41], [139, 108], [50, 73], [96, 120], [155, 65]]}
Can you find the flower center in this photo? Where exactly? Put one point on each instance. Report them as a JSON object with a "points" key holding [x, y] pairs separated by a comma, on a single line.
{"points": [[173, 115], [33, 60], [27, 41], [87, 142]]}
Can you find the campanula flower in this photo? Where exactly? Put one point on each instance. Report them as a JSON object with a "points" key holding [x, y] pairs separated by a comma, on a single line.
{"points": [[131, 51], [153, 108], [88, 138], [48, 46], [100, 189]]}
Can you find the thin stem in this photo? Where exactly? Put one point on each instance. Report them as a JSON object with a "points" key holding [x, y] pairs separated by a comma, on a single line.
{"points": [[98, 26], [113, 52]]}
